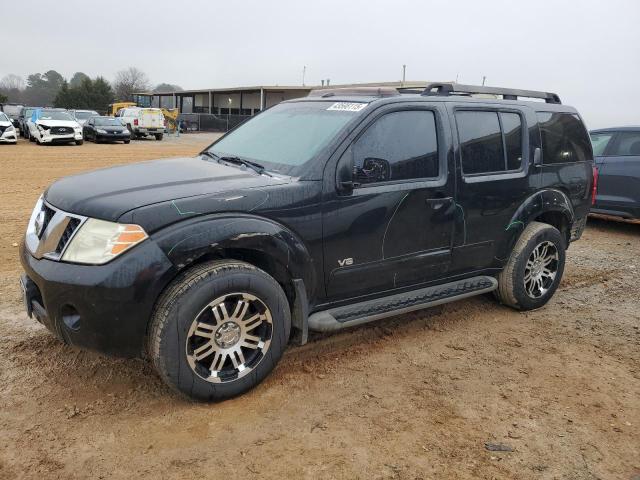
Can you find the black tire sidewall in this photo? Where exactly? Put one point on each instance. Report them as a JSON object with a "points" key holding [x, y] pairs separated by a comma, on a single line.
{"points": [[191, 302], [524, 300]]}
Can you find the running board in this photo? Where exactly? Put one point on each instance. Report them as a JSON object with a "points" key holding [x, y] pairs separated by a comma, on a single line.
{"points": [[363, 312]]}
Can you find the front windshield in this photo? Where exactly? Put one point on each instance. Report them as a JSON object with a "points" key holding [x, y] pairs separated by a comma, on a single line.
{"points": [[27, 112], [85, 115], [3, 117], [55, 115], [107, 122], [288, 134]]}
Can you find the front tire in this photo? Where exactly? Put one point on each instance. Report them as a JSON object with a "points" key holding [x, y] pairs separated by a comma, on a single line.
{"points": [[79, 142], [219, 329], [158, 136], [534, 269]]}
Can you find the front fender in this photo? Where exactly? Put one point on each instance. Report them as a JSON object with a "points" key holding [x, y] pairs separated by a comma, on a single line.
{"points": [[186, 242]]}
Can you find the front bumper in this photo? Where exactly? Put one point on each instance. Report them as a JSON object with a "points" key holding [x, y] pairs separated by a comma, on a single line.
{"points": [[9, 137], [48, 138], [113, 136], [105, 308]]}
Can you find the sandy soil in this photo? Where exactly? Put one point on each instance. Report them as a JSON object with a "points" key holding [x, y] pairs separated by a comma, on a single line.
{"points": [[417, 396]]}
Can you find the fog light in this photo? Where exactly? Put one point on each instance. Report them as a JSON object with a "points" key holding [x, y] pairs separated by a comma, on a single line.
{"points": [[71, 318]]}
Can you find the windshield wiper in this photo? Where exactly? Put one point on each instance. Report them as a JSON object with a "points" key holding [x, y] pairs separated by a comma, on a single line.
{"points": [[256, 167]]}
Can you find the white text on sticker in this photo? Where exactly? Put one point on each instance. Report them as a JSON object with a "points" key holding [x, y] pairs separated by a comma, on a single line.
{"points": [[347, 106]]}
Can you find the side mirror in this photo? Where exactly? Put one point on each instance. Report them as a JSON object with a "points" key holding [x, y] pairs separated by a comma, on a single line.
{"points": [[344, 173]]}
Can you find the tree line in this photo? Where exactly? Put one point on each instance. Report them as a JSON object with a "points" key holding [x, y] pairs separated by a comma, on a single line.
{"points": [[80, 92]]}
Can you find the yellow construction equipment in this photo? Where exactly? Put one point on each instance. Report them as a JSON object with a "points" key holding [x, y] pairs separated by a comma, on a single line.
{"points": [[170, 118], [114, 107], [170, 114]]}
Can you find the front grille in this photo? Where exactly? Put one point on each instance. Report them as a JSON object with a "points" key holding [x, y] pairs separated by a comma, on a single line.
{"points": [[57, 230], [61, 130], [48, 215], [67, 234], [2, 129]]}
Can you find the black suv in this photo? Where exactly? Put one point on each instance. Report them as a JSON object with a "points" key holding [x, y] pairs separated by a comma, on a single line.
{"points": [[318, 214]]}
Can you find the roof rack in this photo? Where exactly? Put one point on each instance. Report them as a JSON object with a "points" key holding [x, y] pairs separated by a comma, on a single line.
{"points": [[452, 88], [354, 92]]}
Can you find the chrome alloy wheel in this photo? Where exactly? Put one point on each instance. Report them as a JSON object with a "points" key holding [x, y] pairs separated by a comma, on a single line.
{"points": [[223, 347], [541, 269]]}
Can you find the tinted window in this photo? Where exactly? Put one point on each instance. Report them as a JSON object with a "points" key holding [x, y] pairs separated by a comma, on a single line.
{"points": [[564, 138], [512, 128], [398, 146], [480, 142], [627, 143], [599, 142]]}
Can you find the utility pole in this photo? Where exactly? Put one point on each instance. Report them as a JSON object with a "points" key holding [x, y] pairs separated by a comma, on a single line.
{"points": [[304, 72], [484, 78], [404, 71]]}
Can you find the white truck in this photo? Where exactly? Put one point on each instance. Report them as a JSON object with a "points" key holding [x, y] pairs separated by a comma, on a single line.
{"points": [[143, 121]]}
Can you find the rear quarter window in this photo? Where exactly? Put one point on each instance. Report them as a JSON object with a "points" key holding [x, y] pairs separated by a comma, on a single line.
{"points": [[564, 138]]}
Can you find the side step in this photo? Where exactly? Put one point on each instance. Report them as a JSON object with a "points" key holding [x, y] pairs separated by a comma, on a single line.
{"points": [[370, 310]]}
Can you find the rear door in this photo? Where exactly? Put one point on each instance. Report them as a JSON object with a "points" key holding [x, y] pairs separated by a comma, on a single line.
{"points": [[151, 118], [493, 152], [619, 179]]}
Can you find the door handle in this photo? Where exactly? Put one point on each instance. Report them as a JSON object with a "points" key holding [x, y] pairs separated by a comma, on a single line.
{"points": [[439, 202]]}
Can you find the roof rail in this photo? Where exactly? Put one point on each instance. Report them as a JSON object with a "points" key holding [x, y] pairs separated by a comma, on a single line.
{"points": [[354, 92], [452, 88]]}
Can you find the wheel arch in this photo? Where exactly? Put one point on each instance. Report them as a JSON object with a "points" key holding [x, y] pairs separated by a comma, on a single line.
{"points": [[259, 241], [550, 206]]}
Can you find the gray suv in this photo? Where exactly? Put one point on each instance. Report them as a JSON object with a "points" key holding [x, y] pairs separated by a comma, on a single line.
{"points": [[617, 155]]}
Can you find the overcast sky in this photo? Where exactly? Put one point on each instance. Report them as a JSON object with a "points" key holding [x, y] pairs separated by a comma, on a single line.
{"points": [[586, 51]]}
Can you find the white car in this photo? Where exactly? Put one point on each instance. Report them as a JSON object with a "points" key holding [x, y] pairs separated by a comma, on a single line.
{"points": [[50, 125], [81, 116], [8, 133], [143, 121]]}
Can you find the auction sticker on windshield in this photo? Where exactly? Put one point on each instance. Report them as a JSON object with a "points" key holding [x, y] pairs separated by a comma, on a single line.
{"points": [[347, 106]]}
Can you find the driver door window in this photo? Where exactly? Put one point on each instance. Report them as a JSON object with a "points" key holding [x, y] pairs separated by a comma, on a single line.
{"points": [[398, 146]]}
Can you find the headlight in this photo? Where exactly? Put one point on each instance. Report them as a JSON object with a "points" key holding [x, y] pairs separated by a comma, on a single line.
{"points": [[43, 127], [11, 128], [98, 241], [100, 130], [125, 132]]}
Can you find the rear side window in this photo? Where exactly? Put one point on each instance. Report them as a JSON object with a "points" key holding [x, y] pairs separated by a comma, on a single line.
{"points": [[398, 146], [564, 138], [490, 142], [627, 144], [599, 142]]}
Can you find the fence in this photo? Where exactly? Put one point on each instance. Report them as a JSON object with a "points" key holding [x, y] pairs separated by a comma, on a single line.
{"points": [[208, 122]]}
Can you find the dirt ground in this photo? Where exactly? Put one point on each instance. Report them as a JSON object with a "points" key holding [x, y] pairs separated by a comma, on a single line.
{"points": [[417, 396]]}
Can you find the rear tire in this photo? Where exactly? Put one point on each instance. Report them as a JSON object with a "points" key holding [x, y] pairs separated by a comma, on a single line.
{"points": [[200, 322], [126, 142], [534, 269], [158, 136]]}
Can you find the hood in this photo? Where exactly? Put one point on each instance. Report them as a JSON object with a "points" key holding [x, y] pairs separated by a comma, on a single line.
{"points": [[58, 123], [5, 124], [107, 194]]}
